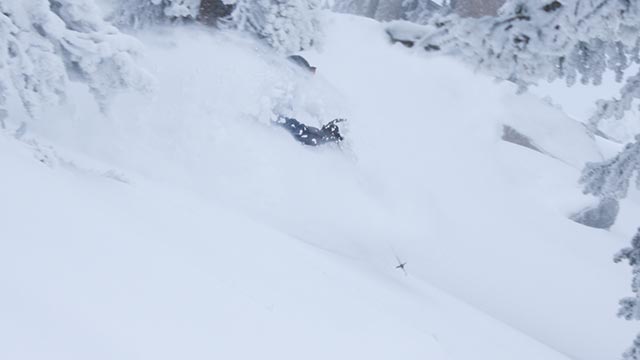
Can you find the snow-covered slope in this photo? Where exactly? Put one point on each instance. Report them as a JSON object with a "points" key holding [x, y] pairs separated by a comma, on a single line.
{"points": [[95, 268], [218, 236]]}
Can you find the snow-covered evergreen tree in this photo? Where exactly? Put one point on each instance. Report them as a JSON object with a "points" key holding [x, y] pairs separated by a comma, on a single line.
{"points": [[366, 8], [286, 25], [533, 40], [417, 11], [139, 13], [45, 43], [630, 306], [390, 10], [476, 8]]}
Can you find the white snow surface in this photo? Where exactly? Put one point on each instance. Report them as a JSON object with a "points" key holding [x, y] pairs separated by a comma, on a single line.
{"points": [[183, 225]]}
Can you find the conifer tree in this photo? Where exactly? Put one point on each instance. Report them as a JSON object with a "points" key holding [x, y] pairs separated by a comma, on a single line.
{"points": [[287, 25]]}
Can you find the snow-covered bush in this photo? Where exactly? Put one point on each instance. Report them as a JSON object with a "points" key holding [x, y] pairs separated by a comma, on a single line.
{"points": [[286, 25], [45, 43]]}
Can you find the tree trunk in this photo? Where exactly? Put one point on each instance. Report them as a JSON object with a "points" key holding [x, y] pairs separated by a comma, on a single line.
{"points": [[212, 10], [477, 8], [372, 8]]}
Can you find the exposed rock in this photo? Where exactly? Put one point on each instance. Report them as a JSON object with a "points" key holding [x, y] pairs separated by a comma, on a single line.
{"points": [[405, 32], [601, 216], [512, 135]]}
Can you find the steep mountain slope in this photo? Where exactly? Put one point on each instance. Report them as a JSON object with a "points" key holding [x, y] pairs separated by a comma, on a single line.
{"points": [[96, 268], [219, 236]]}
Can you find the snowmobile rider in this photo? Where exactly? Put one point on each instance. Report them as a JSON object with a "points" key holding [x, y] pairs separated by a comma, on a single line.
{"points": [[309, 135]]}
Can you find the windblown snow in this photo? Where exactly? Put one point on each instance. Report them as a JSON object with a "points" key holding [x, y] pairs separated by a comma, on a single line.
{"points": [[182, 225]]}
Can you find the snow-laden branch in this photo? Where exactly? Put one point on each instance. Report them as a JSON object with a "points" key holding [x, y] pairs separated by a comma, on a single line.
{"points": [[45, 43], [611, 178], [630, 306]]}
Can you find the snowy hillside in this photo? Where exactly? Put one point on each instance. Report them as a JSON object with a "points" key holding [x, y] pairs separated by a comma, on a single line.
{"points": [[184, 225]]}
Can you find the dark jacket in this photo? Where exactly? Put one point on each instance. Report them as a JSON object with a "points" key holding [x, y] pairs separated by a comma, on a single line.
{"points": [[310, 135]]}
